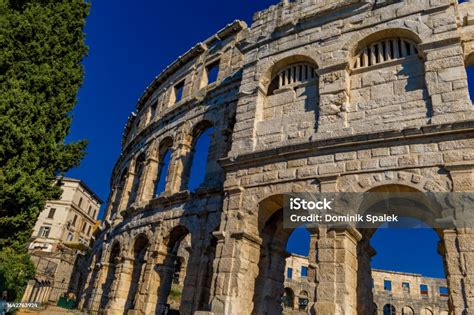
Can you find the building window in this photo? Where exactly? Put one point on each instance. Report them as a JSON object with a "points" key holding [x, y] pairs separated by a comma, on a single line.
{"points": [[470, 81], [385, 50], [424, 289], [177, 95], [292, 76], [80, 202], [303, 300], [95, 214], [289, 273], [89, 230], [304, 271], [74, 220], [200, 154], [51, 213], [443, 291], [84, 225], [389, 309], [406, 286], [163, 172], [44, 231], [89, 210], [387, 285], [211, 73], [69, 237]]}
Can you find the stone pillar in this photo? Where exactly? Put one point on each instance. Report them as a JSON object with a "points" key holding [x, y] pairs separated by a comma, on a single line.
{"points": [[119, 291], [148, 301], [446, 77], [458, 248], [179, 166], [126, 190], [235, 269], [365, 299], [334, 85], [146, 188], [96, 294], [336, 277]]}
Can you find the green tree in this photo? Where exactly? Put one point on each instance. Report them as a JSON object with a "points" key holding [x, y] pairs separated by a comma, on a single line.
{"points": [[42, 45]]}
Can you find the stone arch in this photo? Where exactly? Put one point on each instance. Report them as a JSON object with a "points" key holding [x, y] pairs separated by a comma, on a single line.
{"points": [[158, 168], [408, 310], [415, 31], [289, 298], [138, 173], [389, 309], [139, 255], [168, 261], [426, 311], [270, 256], [189, 144], [359, 42], [279, 107], [113, 260], [273, 67]]}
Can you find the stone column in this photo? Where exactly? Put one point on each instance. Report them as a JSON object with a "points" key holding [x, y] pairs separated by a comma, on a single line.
{"points": [[148, 301], [179, 166], [96, 294], [336, 275], [119, 292], [365, 252], [146, 188], [334, 85], [235, 269], [446, 77]]}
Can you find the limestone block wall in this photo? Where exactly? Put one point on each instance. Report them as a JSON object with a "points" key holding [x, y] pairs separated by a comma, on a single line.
{"points": [[314, 96]]}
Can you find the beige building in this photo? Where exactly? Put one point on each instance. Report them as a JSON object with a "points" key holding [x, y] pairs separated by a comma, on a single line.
{"points": [[61, 236], [315, 96], [394, 293]]}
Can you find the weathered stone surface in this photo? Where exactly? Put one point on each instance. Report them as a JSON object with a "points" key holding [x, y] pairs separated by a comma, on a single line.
{"points": [[320, 105]]}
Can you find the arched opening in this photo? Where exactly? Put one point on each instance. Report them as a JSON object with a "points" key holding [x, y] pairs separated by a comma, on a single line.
{"points": [[400, 255], [289, 92], [389, 309], [118, 193], [426, 311], [389, 66], [283, 264], [199, 157], [205, 296], [164, 159], [173, 270], [470, 79], [140, 248], [110, 277], [89, 286], [289, 299], [139, 168]]}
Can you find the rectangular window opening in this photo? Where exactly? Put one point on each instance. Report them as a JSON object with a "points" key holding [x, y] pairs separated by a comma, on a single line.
{"points": [[212, 71], [387, 285], [178, 92], [51, 213], [304, 271], [289, 273]]}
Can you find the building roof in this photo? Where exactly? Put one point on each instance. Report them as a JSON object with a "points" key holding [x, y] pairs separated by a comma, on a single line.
{"points": [[90, 191]]}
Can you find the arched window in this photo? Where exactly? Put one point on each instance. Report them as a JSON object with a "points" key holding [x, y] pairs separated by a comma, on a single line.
{"points": [[164, 164], [470, 80], [383, 51], [139, 167], [201, 147], [389, 309], [288, 298], [303, 300], [292, 76], [407, 310]]}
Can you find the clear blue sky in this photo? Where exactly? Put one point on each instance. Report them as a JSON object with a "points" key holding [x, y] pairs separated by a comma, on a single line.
{"points": [[130, 44]]}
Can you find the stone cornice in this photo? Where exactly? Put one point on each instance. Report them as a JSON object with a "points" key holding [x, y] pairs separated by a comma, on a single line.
{"points": [[348, 141]]}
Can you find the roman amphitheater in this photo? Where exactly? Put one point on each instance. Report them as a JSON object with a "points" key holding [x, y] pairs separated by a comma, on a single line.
{"points": [[314, 96]]}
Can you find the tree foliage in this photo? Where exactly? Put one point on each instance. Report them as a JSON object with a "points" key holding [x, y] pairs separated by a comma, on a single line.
{"points": [[42, 45]]}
